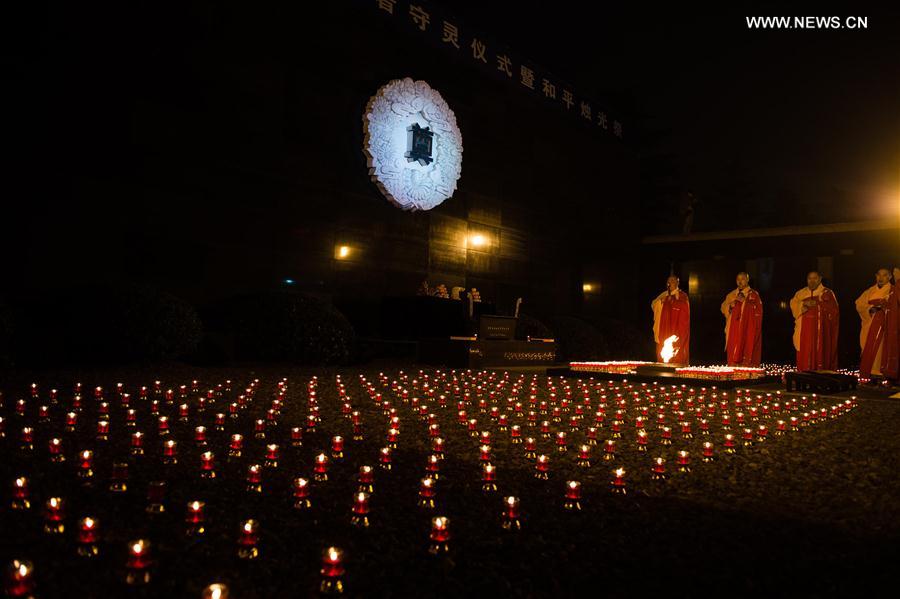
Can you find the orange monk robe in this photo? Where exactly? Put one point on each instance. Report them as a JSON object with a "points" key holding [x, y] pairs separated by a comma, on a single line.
{"points": [[816, 329], [871, 335], [890, 356], [743, 327], [672, 316]]}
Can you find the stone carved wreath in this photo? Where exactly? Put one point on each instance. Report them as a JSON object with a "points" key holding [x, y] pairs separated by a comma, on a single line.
{"points": [[407, 183]]}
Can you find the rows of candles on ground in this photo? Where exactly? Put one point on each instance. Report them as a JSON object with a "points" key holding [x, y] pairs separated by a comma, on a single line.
{"points": [[712, 373], [567, 419]]}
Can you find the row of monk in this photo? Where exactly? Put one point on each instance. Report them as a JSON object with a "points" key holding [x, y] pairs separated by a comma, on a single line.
{"points": [[816, 319]]}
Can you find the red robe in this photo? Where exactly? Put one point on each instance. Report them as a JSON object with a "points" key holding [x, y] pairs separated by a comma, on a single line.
{"points": [[672, 316], [816, 329], [890, 354], [871, 335], [743, 327]]}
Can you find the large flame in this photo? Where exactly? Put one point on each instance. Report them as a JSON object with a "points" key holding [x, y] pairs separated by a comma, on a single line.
{"points": [[668, 350]]}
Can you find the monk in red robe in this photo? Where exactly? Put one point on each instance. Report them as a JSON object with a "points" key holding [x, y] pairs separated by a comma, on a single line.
{"points": [[743, 311], [871, 305], [672, 321], [816, 320], [890, 356]]}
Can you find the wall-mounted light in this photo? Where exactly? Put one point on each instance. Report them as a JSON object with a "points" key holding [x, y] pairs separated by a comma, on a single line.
{"points": [[693, 283], [587, 287], [478, 240], [342, 252]]}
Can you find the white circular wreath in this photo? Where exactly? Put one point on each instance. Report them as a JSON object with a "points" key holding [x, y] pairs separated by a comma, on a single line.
{"points": [[407, 183]]}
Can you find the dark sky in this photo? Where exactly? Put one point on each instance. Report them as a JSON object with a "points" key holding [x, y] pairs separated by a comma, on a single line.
{"points": [[814, 113]]}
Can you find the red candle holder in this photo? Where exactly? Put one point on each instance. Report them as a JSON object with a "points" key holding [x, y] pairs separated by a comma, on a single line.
{"points": [[780, 427], [684, 461], [515, 434], [747, 436], [427, 492], [236, 445], [762, 432], [207, 465], [708, 452], [156, 494], [170, 452], [88, 535], [545, 429], [485, 453], [573, 495], [254, 478], [561, 442], [248, 539], [200, 436], [21, 494], [592, 435], [27, 439], [609, 450], [259, 428], [618, 482], [584, 456], [530, 448], [138, 564], [272, 455], [686, 431], [301, 494], [337, 447], [658, 472], [730, 444], [666, 436], [162, 426], [195, 517], [54, 446], [53, 516], [332, 572], [433, 466], [320, 467], [488, 478], [366, 479], [642, 440], [360, 510], [384, 458], [86, 464], [511, 513], [542, 467], [704, 426], [440, 535], [215, 591], [20, 579], [119, 481]]}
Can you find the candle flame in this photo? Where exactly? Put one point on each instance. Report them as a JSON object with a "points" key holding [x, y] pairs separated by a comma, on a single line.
{"points": [[668, 350]]}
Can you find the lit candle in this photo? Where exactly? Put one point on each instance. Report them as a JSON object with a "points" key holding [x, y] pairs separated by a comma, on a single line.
{"points": [[296, 437], [320, 467], [609, 450], [489, 477], [384, 458], [215, 591], [207, 465], [236, 446], [729, 443], [248, 539], [515, 434], [485, 453], [618, 482], [427, 492], [561, 442], [137, 443], [272, 453], [195, 517], [584, 456], [360, 510], [200, 436], [138, 562], [659, 468], [88, 530], [254, 478], [511, 513], [530, 448], [437, 446], [573, 495], [332, 572], [366, 479], [301, 494], [666, 438], [747, 437], [440, 535], [162, 426], [762, 432], [780, 427], [433, 466], [684, 461], [337, 447], [86, 464], [542, 467], [259, 428], [170, 452], [20, 578], [642, 440], [708, 455]]}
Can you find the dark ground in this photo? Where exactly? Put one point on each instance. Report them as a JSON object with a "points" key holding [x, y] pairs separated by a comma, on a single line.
{"points": [[816, 512]]}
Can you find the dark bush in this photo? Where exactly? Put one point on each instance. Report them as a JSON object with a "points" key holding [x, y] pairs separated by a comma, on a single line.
{"points": [[529, 326], [578, 339], [286, 326], [107, 323]]}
